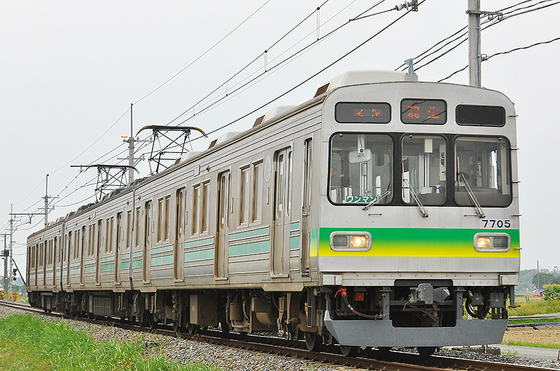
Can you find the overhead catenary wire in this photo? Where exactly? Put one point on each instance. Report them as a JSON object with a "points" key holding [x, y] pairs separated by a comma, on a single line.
{"points": [[266, 71], [502, 53], [462, 38], [313, 75], [247, 65], [203, 54], [142, 146]]}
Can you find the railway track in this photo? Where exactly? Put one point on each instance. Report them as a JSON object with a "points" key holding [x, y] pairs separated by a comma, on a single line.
{"points": [[366, 359]]}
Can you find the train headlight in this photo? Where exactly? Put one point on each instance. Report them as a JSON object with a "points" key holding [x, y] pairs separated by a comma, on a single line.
{"points": [[483, 242], [492, 242], [350, 241], [359, 241]]}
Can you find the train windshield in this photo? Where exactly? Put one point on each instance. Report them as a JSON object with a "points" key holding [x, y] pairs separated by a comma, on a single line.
{"points": [[361, 168], [423, 169], [482, 168]]}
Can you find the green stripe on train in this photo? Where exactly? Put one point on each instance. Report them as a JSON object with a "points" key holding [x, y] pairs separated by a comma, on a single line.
{"points": [[245, 234], [418, 242], [168, 259], [249, 248], [199, 255]]}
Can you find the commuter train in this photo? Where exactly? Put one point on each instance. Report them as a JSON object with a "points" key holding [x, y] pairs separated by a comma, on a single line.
{"points": [[383, 212]]}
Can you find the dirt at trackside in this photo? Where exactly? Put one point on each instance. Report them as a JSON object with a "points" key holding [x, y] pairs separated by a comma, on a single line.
{"points": [[549, 335]]}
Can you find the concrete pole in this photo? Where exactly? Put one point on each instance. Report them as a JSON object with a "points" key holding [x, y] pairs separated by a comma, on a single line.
{"points": [[47, 200], [11, 251], [6, 278], [131, 150], [474, 43]]}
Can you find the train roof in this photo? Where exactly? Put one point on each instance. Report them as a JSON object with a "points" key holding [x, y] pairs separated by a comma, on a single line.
{"points": [[348, 78]]}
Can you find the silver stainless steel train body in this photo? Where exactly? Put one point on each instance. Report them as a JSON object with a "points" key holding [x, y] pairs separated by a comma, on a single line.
{"points": [[383, 212]]}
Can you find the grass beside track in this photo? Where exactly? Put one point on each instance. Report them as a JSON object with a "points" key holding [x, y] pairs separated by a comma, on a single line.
{"points": [[529, 308], [29, 343]]}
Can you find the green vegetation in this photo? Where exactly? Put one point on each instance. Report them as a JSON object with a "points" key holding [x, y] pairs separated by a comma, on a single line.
{"points": [[532, 320], [552, 292], [28, 343], [529, 308], [535, 345]]}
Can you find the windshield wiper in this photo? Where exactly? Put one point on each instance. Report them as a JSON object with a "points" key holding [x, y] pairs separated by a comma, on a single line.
{"points": [[470, 193], [376, 200], [415, 197]]}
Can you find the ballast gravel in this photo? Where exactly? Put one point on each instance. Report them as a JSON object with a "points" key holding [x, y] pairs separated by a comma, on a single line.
{"points": [[188, 351]]}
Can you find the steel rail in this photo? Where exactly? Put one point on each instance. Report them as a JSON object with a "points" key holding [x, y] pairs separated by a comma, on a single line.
{"points": [[368, 359]]}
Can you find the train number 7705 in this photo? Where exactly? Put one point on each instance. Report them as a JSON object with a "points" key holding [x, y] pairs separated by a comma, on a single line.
{"points": [[496, 223]]}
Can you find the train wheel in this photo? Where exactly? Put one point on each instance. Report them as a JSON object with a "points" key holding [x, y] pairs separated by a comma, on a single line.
{"points": [[191, 329], [313, 341], [176, 326], [426, 351], [224, 327], [384, 350], [348, 350], [152, 324]]}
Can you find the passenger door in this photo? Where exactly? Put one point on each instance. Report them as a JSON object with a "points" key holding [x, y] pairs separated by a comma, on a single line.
{"points": [[306, 208], [147, 242], [179, 228], [282, 209], [118, 249], [221, 251]]}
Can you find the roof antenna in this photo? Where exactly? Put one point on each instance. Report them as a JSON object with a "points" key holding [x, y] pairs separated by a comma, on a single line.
{"points": [[410, 75]]}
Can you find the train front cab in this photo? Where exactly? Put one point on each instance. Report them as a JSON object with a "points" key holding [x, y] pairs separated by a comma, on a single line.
{"points": [[418, 243]]}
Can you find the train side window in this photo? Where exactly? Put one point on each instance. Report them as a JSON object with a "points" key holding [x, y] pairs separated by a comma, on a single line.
{"points": [[244, 190], [41, 254], [56, 250], [50, 261], [204, 207], [109, 235], [166, 218], [76, 244], [195, 206], [69, 247], [137, 227], [160, 212], [257, 193], [163, 219], [128, 228], [91, 240], [98, 240]]}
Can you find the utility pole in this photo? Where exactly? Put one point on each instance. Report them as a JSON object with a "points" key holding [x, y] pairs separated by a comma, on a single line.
{"points": [[11, 251], [131, 150], [475, 56], [538, 276], [5, 257], [11, 254], [46, 198]]}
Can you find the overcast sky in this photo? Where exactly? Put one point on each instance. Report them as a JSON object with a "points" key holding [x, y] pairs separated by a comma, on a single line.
{"points": [[69, 71]]}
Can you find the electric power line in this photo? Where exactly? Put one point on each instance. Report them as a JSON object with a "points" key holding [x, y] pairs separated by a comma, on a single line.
{"points": [[314, 75], [242, 85], [203, 54], [502, 53]]}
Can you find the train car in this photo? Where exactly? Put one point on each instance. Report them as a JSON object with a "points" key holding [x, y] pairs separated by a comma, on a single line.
{"points": [[382, 212]]}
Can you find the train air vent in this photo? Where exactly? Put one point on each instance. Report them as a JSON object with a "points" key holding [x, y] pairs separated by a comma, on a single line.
{"points": [[321, 90], [258, 121]]}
